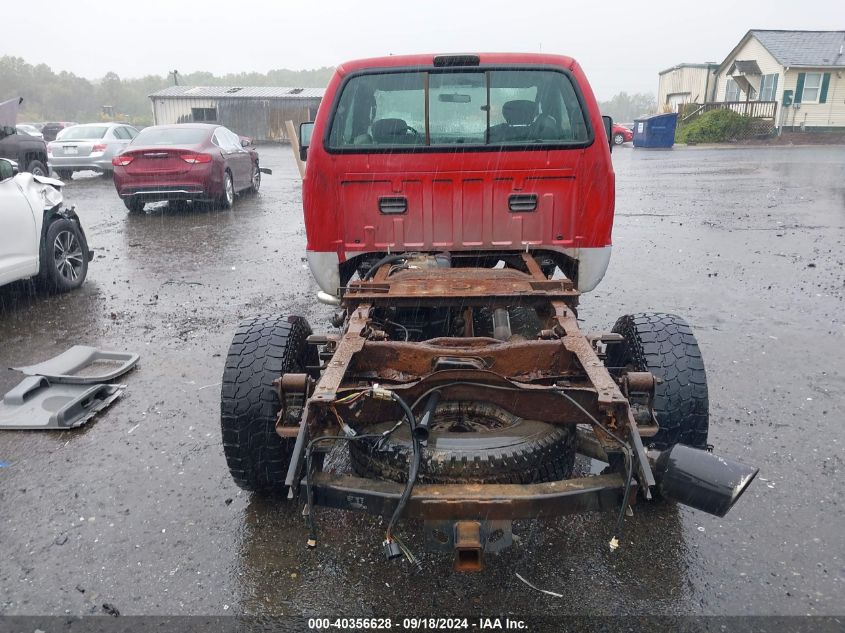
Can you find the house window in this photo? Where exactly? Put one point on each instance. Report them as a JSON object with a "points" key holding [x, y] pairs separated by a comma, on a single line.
{"points": [[768, 87], [204, 114], [812, 84], [732, 90]]}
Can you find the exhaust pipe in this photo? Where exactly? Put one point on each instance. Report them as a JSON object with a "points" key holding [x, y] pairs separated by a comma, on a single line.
{"points": [[327, 299], [701, 480]]}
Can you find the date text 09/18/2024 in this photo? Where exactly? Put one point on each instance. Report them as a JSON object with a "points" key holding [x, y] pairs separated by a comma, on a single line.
{"points": [[414, 624]]}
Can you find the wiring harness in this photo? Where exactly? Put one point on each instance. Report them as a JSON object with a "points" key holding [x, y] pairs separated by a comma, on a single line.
{"points": [[627, 451], [394, 547]]}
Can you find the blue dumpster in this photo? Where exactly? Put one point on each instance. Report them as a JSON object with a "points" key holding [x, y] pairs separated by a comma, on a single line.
{"points": [[657, 130]]}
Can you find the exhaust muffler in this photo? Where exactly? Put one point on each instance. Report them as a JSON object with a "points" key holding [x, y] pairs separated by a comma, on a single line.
{"points": [[700, 479]]}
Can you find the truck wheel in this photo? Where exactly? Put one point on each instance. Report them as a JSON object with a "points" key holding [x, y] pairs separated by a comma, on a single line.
{"points": [[133, 205], [472, 442], [665, 345], [36, 168], [64, 256], [262, 349]]}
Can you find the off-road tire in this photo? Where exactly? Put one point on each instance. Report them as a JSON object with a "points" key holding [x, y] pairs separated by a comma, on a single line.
{"points": [[665, 345], [64, 256], [263, 348], [535, 452]]}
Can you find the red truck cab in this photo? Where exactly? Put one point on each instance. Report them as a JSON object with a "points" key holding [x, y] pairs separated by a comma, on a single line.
{"points": [[493, 153]]}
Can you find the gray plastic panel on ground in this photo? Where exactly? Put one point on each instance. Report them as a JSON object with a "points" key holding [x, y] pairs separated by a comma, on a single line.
{"points": [[37, 404], [79, 365]]}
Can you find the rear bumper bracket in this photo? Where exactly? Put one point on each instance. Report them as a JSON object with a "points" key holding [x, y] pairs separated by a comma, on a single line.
{"points": [[471, 501]]}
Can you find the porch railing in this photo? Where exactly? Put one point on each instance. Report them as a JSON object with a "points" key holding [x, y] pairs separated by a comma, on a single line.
{"points": [[753, 109]]}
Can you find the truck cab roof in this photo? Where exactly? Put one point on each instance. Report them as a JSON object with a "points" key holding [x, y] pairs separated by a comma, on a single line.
{"points": [[456, 59]]}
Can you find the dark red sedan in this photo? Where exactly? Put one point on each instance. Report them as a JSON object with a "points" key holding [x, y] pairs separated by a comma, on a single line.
{"points": [[193, 161]]}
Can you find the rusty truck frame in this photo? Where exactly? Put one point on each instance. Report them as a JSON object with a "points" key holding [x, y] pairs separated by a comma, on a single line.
{"points": [[561, 377]]}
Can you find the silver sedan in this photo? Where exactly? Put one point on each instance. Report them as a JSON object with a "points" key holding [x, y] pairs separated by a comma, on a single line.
{"points": [[88, 146]]}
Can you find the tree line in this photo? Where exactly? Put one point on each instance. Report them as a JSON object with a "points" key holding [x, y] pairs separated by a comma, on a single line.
{"points": [[63, 96], [624, 107]]}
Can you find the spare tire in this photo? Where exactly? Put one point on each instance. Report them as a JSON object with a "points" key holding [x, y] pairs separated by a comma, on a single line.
{"points": [[471, 442]]}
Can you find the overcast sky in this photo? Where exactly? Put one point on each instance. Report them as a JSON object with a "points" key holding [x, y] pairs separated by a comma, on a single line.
{"points": [[621, 45]]}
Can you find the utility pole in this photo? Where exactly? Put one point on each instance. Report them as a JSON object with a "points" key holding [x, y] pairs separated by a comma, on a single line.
{"points": [[175, 74]]}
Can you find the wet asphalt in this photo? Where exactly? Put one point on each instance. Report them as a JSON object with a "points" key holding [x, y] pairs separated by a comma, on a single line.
{"points": [[137, 508]]}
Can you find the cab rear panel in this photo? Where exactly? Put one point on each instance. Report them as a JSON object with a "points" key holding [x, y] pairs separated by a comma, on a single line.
{"points": [[491, 191]]}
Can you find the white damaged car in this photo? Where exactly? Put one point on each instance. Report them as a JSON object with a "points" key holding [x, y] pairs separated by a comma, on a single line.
{"points": [[38, 237]]}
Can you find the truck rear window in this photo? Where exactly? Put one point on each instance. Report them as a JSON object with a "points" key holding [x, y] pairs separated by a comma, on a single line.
{"points": [[473, 107]]}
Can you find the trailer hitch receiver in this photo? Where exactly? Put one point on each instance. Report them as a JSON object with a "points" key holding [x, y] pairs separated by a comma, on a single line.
{"points": [[468, 548]]}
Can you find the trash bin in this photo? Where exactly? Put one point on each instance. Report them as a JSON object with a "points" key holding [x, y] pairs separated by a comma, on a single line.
{"points": [[657, 130]]}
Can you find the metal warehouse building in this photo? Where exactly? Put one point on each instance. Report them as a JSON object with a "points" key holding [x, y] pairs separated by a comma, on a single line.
{"points": [[257, 112]]}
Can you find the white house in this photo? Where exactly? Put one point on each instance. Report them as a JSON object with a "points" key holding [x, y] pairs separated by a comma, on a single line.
{"points": [[796, 77], [685, 83]]}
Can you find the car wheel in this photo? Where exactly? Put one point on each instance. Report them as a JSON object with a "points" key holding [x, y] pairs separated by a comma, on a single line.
{"points": [[134, 205], [256, 179], [618, 139], [227, 200], [64, 174], [64, 256], [36, 168]]}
